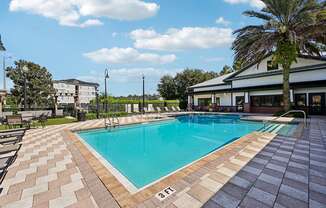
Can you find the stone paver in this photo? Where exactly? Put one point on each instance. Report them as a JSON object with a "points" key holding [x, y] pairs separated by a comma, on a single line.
{"points": [[292, 173], [256, 171]]}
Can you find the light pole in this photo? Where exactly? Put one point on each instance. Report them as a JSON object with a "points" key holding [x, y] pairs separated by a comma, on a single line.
{"points": [[4, 71], [97, 104], [106, 76], [25, 70], [143, 94], [2, 48]]}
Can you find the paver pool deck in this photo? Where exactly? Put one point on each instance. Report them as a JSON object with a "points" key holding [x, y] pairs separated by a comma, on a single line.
{"points": [[55, 169]]}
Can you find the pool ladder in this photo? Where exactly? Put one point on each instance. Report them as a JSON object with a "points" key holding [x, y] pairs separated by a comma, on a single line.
{"points": [[112, 122]]}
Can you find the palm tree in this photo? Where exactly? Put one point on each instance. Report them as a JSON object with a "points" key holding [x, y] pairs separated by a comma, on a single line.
{"points": [[289, 28]]}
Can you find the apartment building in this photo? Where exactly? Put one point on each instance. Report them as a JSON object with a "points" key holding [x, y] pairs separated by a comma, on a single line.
{"points": [[73, 91]]}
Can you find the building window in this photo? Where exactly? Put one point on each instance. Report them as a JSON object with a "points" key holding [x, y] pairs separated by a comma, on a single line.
{"points": [[204, 101], [271, 66], [267, 101], [300, 100], [218, 101]]}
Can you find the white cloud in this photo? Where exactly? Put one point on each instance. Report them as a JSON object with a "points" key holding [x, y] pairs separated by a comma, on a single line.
{"points": [[91, 22], [127, 55], [181, 39], [253, 3], [125, 81], [70, 12], [222, 21]]}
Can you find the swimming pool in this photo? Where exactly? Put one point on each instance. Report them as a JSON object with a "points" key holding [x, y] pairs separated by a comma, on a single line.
{"points": [[144, 153]]}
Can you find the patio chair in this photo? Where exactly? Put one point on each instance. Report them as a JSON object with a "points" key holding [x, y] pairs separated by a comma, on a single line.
{"points": [[42, 119]]}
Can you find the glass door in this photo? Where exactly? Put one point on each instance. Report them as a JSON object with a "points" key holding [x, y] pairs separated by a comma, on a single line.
{"points": [[317, 103]]}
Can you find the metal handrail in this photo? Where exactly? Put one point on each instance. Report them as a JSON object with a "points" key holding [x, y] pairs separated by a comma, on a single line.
{"points": [[291, 111], [111, 122]]}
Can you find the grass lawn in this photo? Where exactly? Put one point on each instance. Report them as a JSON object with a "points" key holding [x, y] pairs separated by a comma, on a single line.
{"points": [[57, 121], [51, 121]]}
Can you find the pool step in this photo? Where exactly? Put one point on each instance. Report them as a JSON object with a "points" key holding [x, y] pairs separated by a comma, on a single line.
{"points": [[272, 128]]}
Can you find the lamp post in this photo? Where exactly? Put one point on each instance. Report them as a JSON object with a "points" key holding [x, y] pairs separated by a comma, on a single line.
{"points": [[143, 94], [4, 70], [25, 70], [97, 104], [106, 76], [2, 48]]}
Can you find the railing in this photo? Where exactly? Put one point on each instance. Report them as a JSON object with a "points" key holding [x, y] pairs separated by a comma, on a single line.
{"points": [[111, 122], [291, 111]]}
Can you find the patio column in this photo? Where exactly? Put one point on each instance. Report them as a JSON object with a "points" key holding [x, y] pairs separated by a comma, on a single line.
{"points": [[213, 98], [246, 104]]}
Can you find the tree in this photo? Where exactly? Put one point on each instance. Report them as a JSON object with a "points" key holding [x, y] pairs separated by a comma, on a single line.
{"points": [[187, 78], [289, 28], [40, 89], [226, 70], [167, 87]]}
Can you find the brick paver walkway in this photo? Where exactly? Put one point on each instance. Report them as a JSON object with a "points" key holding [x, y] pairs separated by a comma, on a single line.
{"points": [[51, 172], [47, 172], [289, 172]]}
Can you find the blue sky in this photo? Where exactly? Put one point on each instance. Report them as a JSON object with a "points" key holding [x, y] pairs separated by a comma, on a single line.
{"points": [[80, 38]]}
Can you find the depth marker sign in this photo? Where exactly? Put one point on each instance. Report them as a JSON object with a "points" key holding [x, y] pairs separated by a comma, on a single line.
{"points": [[165, 193]]}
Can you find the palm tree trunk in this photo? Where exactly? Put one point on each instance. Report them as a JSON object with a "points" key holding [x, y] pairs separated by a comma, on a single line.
{"points": [[286, 87]]}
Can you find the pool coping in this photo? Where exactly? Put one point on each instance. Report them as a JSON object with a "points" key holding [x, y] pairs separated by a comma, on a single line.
{"points": [[127, 199]]}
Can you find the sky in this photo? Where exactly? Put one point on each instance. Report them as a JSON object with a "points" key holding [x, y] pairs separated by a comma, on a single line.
{"points": [[80, 38]]}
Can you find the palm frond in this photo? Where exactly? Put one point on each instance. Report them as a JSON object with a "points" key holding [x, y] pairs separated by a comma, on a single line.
{"points": [[259, 15]]}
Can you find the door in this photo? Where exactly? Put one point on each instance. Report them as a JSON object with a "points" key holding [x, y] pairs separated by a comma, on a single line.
{"points": [[239, 100], [317, 103]]}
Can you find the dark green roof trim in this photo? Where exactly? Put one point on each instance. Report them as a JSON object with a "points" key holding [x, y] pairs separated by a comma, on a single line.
{"points": [[277, 72]]}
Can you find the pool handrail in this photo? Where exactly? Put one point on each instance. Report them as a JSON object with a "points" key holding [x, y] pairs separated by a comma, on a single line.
{"points": [[284, 114]]}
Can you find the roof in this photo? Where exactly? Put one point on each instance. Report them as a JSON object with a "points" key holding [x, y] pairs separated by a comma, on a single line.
{"points": [[216, 81], [76, 82], [321, 58]]}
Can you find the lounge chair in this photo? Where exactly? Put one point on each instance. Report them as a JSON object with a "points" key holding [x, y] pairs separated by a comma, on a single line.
{"points": [[178, 109], [158, 109], [173, 109], [13, 148], [3, 173], [10, 140], [166, 109], [12, 133]]}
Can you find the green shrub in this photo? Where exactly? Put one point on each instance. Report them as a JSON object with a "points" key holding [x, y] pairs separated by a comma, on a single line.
{"points": [[91, 116]]}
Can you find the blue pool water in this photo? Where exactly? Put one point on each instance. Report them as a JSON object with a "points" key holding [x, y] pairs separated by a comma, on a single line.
{"points": [[144, 153]]}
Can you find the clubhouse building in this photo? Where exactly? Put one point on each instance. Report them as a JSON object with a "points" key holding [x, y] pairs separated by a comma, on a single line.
{"points": [[257, 88]]}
